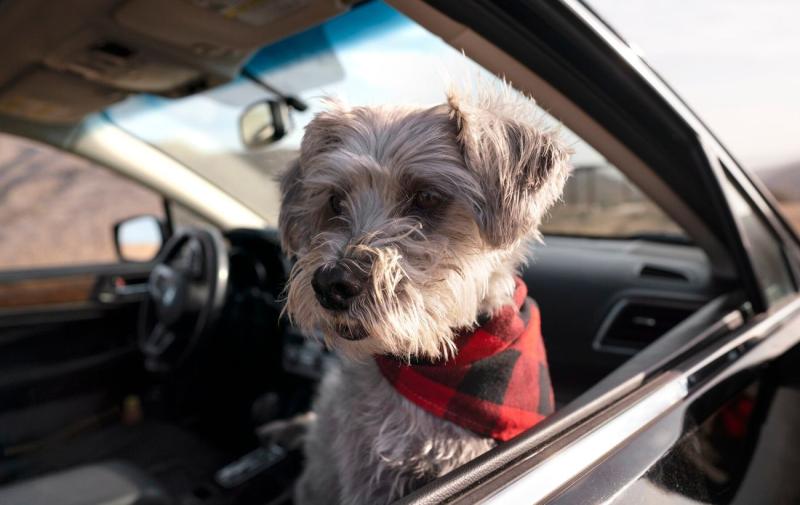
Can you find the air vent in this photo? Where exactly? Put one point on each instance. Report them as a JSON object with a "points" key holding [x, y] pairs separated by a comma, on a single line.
{"points": [[663, 273], [639, 323]]}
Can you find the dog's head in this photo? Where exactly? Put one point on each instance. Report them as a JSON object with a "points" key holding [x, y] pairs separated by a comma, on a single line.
{"points": [[409, 223]]}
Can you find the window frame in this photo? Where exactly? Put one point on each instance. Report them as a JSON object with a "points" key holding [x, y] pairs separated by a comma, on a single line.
{"points": [[531, 34]]}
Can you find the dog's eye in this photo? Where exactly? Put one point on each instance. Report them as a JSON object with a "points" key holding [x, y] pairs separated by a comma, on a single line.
{"points": [[335, 203], [427, 200]]}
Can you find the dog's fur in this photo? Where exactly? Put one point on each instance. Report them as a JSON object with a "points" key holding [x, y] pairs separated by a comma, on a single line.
{"points": [[494, 172]]}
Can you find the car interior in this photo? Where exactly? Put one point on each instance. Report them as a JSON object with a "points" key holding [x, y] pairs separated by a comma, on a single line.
{"points": [[154, 389]]}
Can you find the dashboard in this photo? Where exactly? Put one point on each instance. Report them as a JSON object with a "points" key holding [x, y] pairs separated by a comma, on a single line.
{"points": [[602, 301]]}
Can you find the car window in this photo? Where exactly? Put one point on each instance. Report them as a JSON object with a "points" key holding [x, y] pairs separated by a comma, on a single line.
{"points": [[371, 55], [58, 210], [782, 182], [773, 274], [599, 201], [695, 49]]}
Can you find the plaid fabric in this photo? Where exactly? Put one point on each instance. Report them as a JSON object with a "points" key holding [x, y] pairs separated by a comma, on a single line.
{"points": [[498, 385]]}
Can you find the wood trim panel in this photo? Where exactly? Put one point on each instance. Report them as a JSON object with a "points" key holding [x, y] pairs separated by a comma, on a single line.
{"points": [[46, 291]]}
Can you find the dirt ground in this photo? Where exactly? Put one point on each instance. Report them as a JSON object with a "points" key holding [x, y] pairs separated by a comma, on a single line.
{"points": [[792, 212], [622, 220]]}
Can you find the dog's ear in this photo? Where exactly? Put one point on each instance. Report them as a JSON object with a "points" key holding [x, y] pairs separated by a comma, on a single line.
{"points": [[290, 220], [520, 167], [324, 132]]}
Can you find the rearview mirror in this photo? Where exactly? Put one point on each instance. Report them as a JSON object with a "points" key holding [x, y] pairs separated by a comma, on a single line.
{"points": [[139, 239], [263, 123]]}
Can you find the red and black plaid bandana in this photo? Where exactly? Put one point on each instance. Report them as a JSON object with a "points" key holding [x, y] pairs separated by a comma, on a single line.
{"points": [[497, 385]]}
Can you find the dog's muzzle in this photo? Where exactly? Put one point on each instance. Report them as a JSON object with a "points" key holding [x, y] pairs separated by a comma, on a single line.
{"points": [[336, 286]]}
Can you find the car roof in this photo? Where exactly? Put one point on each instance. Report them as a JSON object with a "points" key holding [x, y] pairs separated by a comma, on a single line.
{"points": [[81, 56]]}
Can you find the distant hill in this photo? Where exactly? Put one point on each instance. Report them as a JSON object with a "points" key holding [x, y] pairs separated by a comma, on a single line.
{"points": [[599, 201], [783, 181]]}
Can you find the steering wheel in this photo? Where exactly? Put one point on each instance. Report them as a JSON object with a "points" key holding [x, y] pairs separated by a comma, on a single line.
{"points": [[186, 295]]}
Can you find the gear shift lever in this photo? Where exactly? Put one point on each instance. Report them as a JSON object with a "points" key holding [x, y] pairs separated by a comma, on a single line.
{"points": [[252, 464]]}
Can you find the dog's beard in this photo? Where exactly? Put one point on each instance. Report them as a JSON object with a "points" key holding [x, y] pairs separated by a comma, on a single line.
{"points": [[419, 292]]}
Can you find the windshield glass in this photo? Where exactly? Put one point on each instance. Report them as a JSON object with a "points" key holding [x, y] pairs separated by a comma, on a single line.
{"points": [[371, 55]]}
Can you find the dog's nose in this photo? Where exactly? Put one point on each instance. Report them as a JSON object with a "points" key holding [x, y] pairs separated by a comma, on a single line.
{"points": [[336, 286]]}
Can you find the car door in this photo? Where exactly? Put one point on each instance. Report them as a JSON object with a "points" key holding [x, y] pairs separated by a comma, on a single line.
{"points": [[683, 421], [68, 305]]}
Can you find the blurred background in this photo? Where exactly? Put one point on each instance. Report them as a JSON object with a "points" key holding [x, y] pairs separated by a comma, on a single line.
{"points": [[737, 64]]}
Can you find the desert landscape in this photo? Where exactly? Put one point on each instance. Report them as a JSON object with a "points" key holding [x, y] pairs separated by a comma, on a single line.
{"points": [[600, 202], [58, 210], [783, 181]]}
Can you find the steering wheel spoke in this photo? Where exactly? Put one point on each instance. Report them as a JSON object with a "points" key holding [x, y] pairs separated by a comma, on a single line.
{"points": [[159, 340], [191, 260], [187, 291]]}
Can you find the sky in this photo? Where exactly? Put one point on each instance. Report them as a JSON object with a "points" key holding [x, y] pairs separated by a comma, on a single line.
{"points": [[736, 62]]}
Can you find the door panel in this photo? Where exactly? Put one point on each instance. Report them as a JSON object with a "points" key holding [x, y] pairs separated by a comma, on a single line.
{"points": [[57, 326], [68, 347], [702, 449], [697, 453], [68, 307], [42, 293], [643, 430], [607, 283]]}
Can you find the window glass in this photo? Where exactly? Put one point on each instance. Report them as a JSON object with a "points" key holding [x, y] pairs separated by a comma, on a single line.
{"points": [[599, 201], [58, 210], [766, 254], [783, 183], [371, 55], [182, 217], [702, 48]]}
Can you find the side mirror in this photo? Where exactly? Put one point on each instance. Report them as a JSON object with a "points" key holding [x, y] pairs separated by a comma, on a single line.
{"points": [[139, 239], [263, 123]]}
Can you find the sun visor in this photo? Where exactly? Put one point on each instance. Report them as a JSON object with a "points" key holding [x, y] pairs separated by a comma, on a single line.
{"points": [[114, 62], [50, 96], [223, 30]]}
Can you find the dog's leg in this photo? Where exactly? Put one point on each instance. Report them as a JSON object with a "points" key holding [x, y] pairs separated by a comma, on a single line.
{"points": [[288, 433], [319, 482]]}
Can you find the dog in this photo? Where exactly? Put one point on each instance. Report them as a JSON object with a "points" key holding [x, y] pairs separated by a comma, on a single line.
{"points": [[408, 226]]}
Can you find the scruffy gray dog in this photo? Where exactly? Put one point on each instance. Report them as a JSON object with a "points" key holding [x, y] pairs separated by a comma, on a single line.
{"points": [[406, 223]]}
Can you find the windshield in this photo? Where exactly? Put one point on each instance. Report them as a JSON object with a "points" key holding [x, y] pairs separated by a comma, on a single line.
{"points": [[371, 55]]}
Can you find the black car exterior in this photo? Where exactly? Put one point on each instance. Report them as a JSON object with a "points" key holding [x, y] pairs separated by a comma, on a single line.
{"points": [[701, 415]]}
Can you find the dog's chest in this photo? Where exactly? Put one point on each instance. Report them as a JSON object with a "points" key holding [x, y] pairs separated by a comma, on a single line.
{"points": [[382, 442]]}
